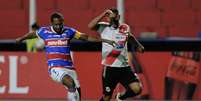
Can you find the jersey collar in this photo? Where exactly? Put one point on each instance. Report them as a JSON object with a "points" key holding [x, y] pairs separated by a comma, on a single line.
{"points": [[52, 29]]}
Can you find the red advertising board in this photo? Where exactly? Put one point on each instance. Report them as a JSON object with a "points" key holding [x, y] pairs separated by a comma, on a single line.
{"points": [[24, 75]]}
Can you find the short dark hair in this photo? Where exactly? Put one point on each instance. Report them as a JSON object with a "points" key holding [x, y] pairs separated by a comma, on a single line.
{"points": [[56, 15], [35, 26], [114, 10]]}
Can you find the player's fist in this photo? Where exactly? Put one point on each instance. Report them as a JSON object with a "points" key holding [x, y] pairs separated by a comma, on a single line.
{"points": [[108, 12], [18, 40], [140, 49]]}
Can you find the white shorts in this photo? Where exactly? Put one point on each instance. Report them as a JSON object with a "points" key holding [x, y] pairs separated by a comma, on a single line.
{"points": [[57, 75]]}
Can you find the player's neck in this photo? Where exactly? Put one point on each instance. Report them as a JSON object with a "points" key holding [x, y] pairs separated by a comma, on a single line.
{"points": [[56, 31]]}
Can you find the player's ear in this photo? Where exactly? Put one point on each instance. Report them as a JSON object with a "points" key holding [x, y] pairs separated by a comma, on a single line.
{"points": [[118, 16]]}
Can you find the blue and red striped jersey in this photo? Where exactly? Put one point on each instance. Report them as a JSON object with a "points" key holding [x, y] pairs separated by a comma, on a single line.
{"points": [[57, 46]]}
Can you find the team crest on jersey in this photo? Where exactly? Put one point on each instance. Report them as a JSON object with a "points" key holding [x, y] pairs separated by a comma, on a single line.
{"points": [[48, 32], [120, 37]]}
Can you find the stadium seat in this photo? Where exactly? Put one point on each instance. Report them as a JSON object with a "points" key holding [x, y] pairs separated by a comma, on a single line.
{"points": [[198, 18], [14, 22], [100, 5], [46, 5], [161, 31], [15, 18], [13, 33], [196, 4], [78, 20], [11, 5], [73, 4], [174, 4], [43, 17], [140, 4], [184, 31], [144, 18], [178, 18]]}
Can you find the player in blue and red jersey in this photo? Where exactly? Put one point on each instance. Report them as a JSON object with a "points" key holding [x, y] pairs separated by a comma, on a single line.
{"points": [[57, 46]]}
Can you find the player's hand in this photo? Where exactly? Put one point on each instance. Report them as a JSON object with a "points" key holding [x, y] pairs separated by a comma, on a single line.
{"points": [[108, 12], [114, 44], [140, 49], [18, 40]]}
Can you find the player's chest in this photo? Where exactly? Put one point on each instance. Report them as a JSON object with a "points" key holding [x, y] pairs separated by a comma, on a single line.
{"points": [[115, 34]]}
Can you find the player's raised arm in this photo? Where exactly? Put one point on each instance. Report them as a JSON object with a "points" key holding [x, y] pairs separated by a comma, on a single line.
{"points": [[140, 47], [29, 35], [94, 22]]}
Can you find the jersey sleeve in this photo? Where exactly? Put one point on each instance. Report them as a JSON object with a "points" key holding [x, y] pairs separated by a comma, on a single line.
{"points": [[41, 33], [73, 33], [101, 26], [130, 47]]}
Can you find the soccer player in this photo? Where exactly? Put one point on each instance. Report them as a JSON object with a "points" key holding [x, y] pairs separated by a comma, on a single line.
{"points": [[115, 59], [57, 46]]}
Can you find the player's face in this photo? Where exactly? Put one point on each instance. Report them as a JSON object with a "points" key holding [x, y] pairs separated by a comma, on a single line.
{"points": [[117, 17], [57, 24]]}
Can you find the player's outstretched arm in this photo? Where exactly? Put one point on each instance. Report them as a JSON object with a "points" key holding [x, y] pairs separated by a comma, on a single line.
{"points": [[85, 37], [29, 35], [140, 47], [93, 24]]}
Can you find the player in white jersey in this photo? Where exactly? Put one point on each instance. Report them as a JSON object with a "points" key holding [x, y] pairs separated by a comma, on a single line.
{"points": [[115, 58]]}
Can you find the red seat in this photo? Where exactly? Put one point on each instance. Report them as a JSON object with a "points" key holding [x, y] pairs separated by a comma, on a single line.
{"points": [[13, 18], [13, 32], [43, 17], [11, 5], [140, 4], [174, 4], [144, 18], [72, 4], [14, 23], [78, 20], [198, 18], [184, 31], [161, 31], [178, 18], [100, 5], [46, 4], [196, 4]]}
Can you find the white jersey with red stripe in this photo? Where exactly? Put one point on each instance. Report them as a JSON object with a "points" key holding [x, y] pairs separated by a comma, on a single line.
{"points": [[116, 56]]}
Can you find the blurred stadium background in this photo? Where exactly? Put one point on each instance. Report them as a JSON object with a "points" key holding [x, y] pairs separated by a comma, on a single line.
{"points": [[163, 27]]}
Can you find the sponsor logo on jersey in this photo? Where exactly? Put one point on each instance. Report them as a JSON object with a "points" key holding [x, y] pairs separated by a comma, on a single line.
{"points": [[120, 37], [57, 42]]}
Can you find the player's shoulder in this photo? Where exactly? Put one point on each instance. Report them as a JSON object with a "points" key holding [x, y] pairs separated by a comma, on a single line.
{"points": [[45, 28]]}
